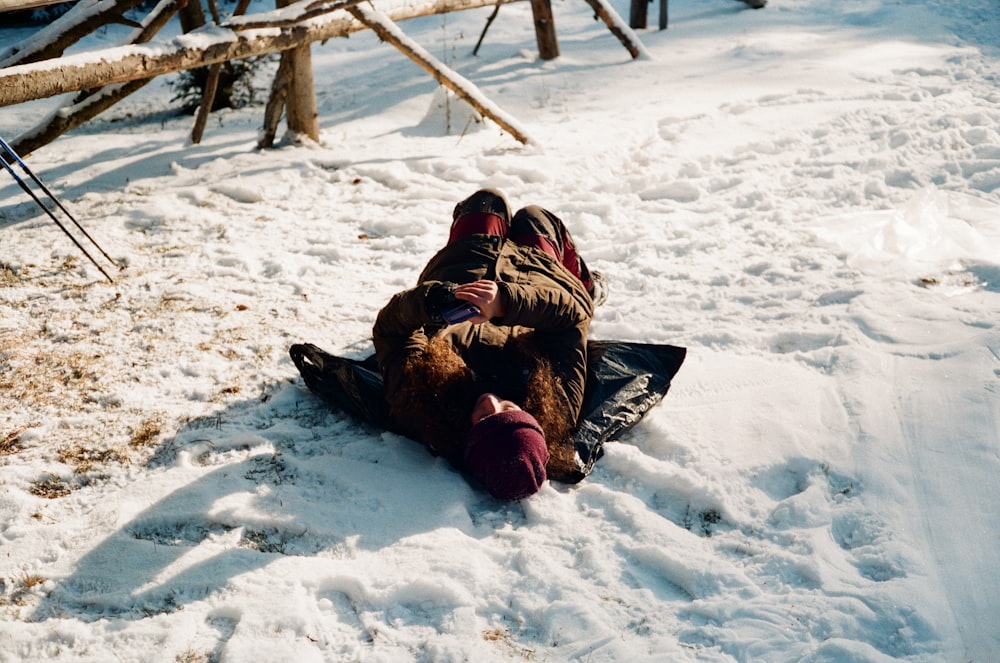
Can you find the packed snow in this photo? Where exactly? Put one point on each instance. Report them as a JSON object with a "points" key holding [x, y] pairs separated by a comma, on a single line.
{"points": [[806, 196]]}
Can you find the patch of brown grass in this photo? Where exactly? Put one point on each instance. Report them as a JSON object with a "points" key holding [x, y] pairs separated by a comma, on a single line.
{"points": [[146, 433], [11, 442], [29, 580], [50, 489], [501, 636], [83, 459], [22, 586], [8, 277]]}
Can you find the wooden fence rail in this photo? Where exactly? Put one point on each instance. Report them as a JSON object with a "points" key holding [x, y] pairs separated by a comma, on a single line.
{"points": [[209, 45]]}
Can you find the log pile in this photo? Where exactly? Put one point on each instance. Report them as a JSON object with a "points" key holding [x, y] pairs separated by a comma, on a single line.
{"points": [[36, 68]]}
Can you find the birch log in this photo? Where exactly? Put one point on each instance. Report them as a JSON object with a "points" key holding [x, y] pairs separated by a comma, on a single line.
{"points": [[127, 63], [390, 32]]}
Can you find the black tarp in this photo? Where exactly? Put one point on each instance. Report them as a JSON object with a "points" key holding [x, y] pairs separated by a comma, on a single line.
{"points": [[624, 380]]}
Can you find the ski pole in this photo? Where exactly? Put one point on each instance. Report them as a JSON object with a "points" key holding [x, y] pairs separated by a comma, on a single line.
{"points": [[31, 193], [51, 195]]}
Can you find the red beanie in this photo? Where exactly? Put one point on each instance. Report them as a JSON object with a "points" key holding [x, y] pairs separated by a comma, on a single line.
{"points": [[506, 452]]}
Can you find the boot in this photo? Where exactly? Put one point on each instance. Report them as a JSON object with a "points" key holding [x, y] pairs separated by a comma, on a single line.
{"points": [[484, 201]]}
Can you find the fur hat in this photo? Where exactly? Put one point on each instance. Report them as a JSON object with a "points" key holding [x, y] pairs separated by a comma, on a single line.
{"points": [[506, 452]]}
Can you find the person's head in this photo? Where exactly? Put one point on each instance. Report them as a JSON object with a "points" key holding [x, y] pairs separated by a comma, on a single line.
{"points": [[505, 449], [488, 404]]}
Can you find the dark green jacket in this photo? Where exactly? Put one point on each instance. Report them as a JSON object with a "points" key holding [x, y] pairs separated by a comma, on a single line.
{"points": [[544, 300]]}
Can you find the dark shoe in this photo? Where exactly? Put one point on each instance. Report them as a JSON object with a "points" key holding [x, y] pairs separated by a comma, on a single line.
{"points": [[598, 288], [756, 4], [484, 201]]}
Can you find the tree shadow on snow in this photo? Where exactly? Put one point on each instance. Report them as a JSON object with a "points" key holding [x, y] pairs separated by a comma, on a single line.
{"points": [[276, 476], [987, 274]]}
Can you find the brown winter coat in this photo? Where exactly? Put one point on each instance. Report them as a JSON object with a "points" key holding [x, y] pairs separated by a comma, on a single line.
{"points": [[547, 308]]}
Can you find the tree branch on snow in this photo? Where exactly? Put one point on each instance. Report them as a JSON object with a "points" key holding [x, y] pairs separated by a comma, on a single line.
{"points": [[489, 22], [212, 79], [290, 15], [304, 10], [90, 103], [388, 31], [66, 30], [619, 28], [203, 47]]}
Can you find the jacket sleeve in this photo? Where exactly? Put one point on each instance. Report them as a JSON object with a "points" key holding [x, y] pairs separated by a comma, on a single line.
{"points": [[398, 335], [561, 323]]}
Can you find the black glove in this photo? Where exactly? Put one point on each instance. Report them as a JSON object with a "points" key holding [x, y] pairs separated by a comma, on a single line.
{"points": [[438, 298]]}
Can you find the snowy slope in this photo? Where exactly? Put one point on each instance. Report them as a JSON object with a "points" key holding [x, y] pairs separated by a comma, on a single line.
{"points": [[806, 196]]}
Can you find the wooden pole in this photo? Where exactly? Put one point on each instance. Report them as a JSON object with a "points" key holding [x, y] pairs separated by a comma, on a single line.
{"points": [[275, 104], [212, 78], [207, 99], [545, 29], [389, 32], [637, 14], [301, 112], [617, 26]]}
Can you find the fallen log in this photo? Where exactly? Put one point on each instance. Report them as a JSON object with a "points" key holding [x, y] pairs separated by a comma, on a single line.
{"points": [[66, 30], [90, 103], [618, 27], [202, 47], [389, 32]]}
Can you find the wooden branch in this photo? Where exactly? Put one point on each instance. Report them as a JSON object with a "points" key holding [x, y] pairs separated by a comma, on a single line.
{"points": [[127, 63], [65, 31], [390, 32], [207, 99], [618, 27], [89, 103], [545, 29], [292, 14], [211, 80], [489, 22], [275, 102], [20, 5], [304, 10], [301, 112]]}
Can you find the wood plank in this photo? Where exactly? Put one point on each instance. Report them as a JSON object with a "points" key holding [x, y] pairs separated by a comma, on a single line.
{"points": [[18, 5]]}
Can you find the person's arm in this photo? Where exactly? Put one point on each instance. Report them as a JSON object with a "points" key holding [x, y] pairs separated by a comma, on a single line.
{"points": [[561, 323], [543, 308], [398, 335]]}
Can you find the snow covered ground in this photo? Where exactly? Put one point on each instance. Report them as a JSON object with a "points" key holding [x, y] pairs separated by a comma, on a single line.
{"points": [[807, 197]]}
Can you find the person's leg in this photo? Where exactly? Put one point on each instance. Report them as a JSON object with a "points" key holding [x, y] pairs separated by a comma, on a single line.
{"points": [[539, 228], [483, 213]]}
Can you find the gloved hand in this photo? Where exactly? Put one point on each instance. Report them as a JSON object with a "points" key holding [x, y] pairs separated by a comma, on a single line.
{"points": [[438, 298]]}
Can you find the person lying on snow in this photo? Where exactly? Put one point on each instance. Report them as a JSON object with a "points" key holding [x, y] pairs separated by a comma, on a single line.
{"points": [[497, 393]]}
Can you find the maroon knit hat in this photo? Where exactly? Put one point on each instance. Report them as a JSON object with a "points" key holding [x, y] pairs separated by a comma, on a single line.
{"points": [[506, 452]]}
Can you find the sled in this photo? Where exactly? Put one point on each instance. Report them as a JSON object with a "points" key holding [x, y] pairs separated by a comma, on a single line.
{"points": [[624, 380]]}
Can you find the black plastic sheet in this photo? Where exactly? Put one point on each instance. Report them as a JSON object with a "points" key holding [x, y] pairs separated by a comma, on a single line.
{"points": [[624, 380]]}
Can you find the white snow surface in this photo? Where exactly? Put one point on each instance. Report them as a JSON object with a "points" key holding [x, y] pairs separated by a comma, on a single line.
{"points": [[806, 196]]}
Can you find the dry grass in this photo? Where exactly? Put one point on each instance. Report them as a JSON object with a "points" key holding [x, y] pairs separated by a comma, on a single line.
{"points": [[146, 433], [60, 376], [8, 277], [501, 636], [22, 587], [84, 460], [11, 442], [29, 580], [51, 488]]}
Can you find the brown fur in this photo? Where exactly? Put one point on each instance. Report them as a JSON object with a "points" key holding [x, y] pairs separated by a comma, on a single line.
{"points": [[442, 390]]}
